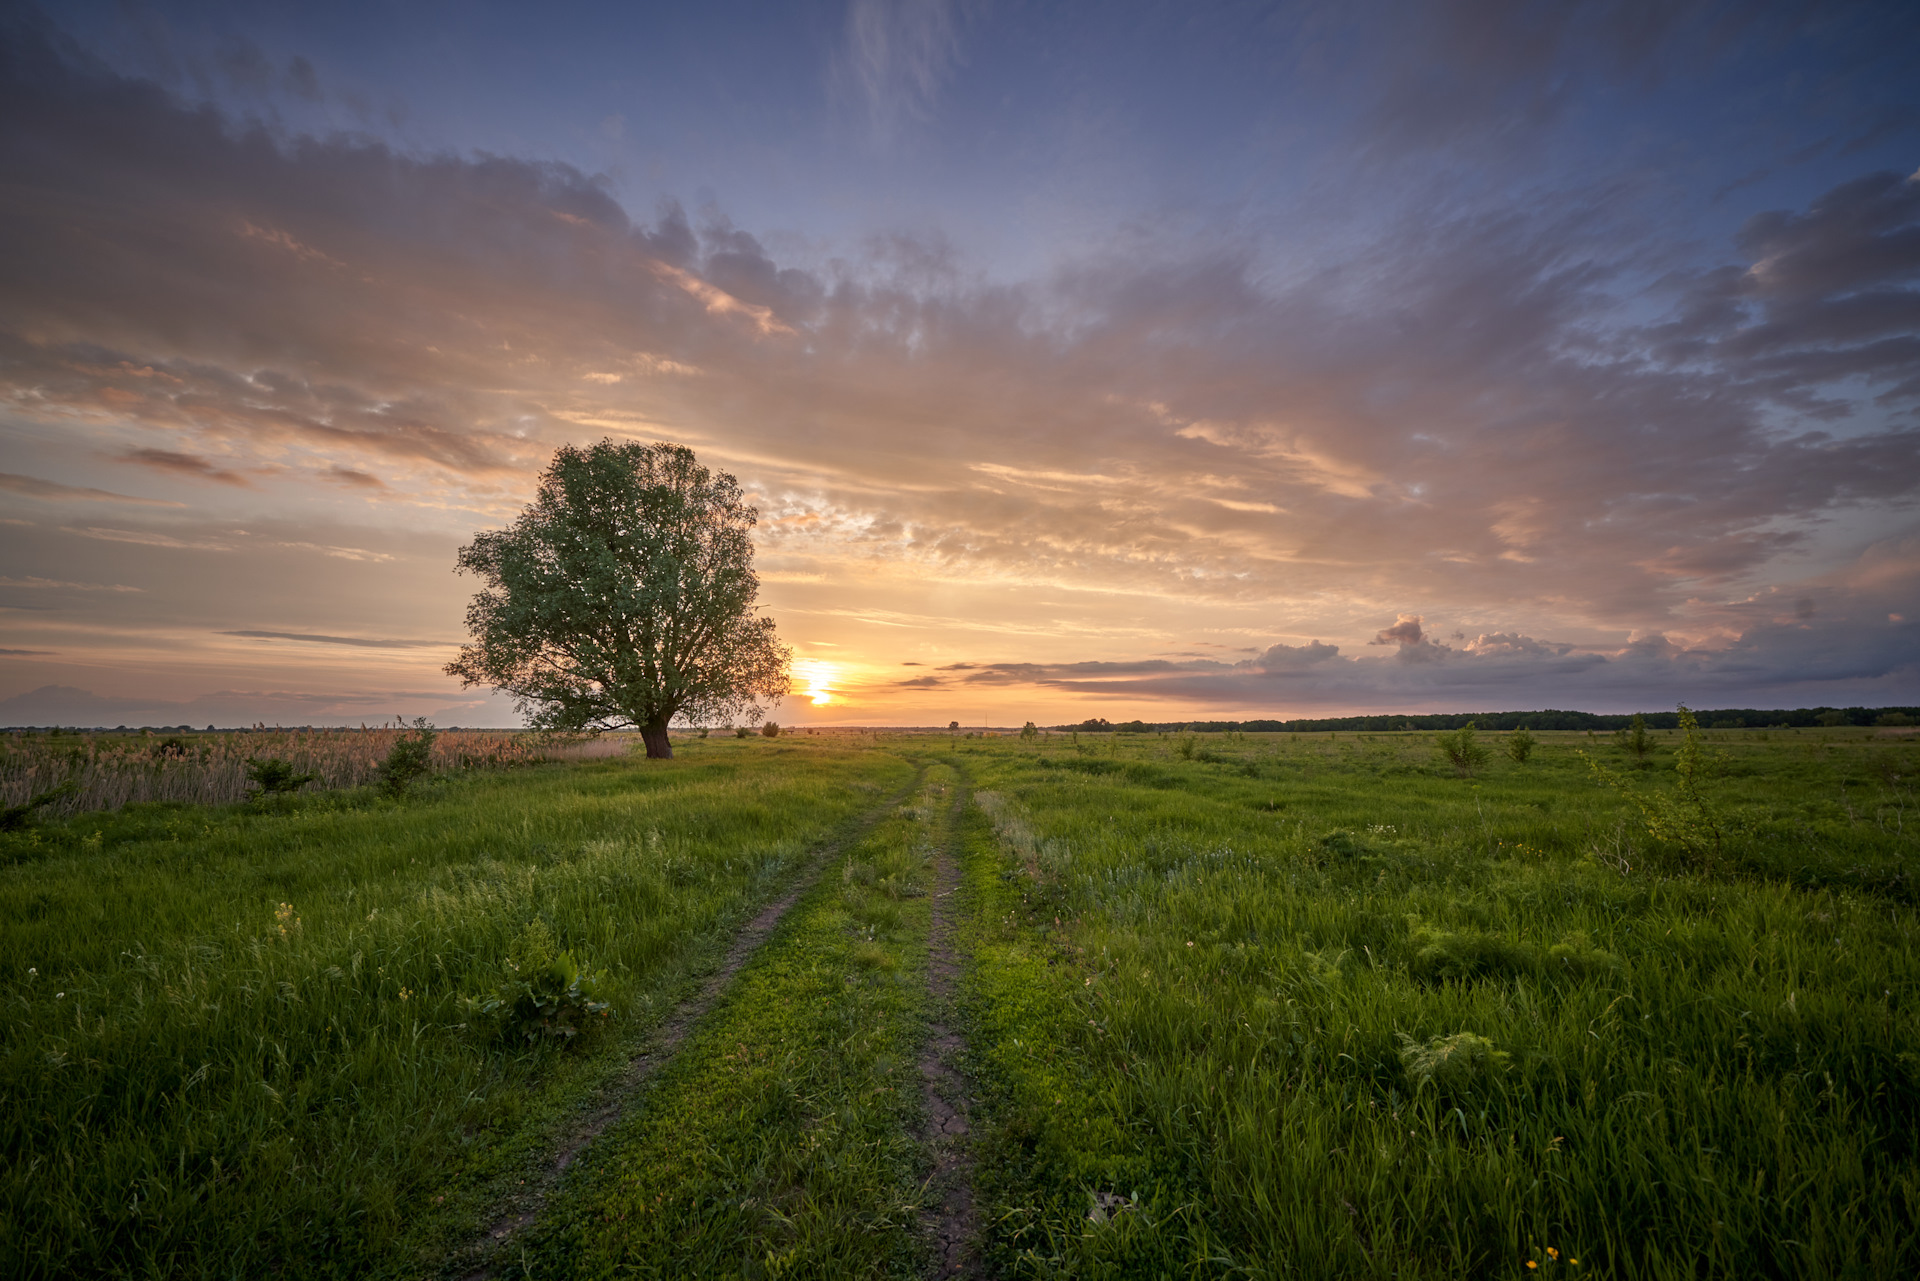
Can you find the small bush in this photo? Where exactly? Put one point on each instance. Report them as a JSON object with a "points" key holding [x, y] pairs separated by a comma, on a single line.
{"points": [[741, 731], [1635, 741], [1460, 750], [770, 730], [545, 995], [1452, 1064], [1578, 958], [1447, 957], [1519, 745], [15, 817], [1184, 745], [410, 760], [273, 776]]}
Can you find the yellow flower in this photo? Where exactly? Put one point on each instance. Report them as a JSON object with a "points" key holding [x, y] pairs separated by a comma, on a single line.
{"points": [[1552, 1253], [1532, 1264]]}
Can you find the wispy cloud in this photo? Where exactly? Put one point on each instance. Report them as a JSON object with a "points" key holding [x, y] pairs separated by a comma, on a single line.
{"points": [[359, 641], [898, 54], [66, 586], [34, 487]]}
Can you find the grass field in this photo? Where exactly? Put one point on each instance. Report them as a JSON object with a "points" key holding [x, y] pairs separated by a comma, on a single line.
{"points": [[1233, 1006]]}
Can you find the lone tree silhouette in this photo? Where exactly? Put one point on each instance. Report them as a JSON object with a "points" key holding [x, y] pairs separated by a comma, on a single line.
{"points": [[623, 597]]}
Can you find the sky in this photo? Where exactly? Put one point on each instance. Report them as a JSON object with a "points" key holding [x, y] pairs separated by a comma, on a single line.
{"points": [[1170, 361]]}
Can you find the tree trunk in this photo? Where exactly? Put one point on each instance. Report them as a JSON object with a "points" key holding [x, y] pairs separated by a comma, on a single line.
{"points": [[659, 746]]}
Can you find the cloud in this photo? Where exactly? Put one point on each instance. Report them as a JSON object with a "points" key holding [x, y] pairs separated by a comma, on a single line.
{"points": [[66, 586], [179, 464], [1481, 416], [360, 641], [71, 705], [897, 55], [37, 488]]}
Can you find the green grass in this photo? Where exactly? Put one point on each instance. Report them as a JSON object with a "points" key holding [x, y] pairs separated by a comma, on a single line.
{"points": [[778, 1144], [196, 1082], [1244, 1006], [1256, 955]]}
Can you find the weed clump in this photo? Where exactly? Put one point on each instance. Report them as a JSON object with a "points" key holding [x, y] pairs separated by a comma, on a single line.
{"points": [[274, 776], [1444, 956], [1460, 750], [1519, 745], [770, 730], [409, 760], [1685, 818], [544, 996], [1452, 1064]]}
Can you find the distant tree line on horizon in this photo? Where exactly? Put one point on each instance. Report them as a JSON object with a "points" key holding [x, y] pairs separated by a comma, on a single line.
{"points": [[1550, 719]]}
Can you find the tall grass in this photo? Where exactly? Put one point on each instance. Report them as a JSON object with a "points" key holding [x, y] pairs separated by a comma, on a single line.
{"points": [[108, 771], [1327, 1012], [233, 1041]]}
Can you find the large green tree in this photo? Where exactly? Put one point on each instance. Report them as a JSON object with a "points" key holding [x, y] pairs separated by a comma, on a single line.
{"points": [[623, 597]]}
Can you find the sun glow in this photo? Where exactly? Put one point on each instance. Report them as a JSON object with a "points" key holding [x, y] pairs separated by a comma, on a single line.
{"points": [[816, 679]]}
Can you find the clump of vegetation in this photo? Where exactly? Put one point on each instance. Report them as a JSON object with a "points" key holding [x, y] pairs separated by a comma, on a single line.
{"points": [[544, 996], [742, 731], [1634, 740], [409, 760], [1029, 732], [272, 776], [1451, 1064], [1184, 745], [1684, 818], [770, 730], [1519, 745], [15, 817], [1460, 750], [1447, 956]]}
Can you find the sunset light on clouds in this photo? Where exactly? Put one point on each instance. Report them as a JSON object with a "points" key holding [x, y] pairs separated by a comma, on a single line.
{"points": [[1081, 360]]}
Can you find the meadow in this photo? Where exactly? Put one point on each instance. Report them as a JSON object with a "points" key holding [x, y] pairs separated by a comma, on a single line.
{"points": [[1232, 1005]]}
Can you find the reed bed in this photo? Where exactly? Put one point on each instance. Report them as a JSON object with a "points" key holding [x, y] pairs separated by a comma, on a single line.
{"points": [[115, 769]]}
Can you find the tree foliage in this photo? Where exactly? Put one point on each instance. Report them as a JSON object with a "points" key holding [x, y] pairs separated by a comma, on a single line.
{"points": [[623, 597]]}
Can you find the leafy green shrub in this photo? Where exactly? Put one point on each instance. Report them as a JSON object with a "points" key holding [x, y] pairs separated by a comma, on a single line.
{"points": [[1029, 732], [741, 731], [770, 730], [1460, 750], [1519, 745], [1452, 1064], [15, 817], [1635, 741], [273, 776], [1183, 746], [1446, 957], [409, 760], [545, 995], [1685, 819], [1576, 957]]}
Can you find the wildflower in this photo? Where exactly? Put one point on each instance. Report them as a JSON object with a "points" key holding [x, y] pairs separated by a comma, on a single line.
{"points": [[1553, 1254], [1532, 1264], [59, 996], [288, 922], [405, 992], [32, 971]]}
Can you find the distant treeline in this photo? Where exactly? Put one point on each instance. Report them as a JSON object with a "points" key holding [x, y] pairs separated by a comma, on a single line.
{"points": [[1721, 718]]}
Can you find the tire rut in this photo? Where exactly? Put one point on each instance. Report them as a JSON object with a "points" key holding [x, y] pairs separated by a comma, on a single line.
{"points": [[948, 1098], [478, 1260]]}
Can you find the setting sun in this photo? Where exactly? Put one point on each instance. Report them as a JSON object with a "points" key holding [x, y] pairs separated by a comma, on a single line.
{"points": [[816, 679]]}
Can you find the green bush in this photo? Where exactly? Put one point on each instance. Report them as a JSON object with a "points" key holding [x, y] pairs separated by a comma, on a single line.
{"points": [[1519, 745], [1451, 1064], [770, 730], [545, 995], [410, 759], [273, 776], [1460, 750]]}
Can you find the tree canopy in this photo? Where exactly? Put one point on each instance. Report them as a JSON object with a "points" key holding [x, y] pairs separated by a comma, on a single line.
{"points": [[623, 597]]}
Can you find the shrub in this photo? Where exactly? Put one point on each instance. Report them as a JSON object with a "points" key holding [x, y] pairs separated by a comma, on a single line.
{"points": [[1520, 744], [1184, 745], [1635, 741], [741, 731], [1029, 732], [410, 759], [273, 776], [1685, 818], [1447, 957], [1460, 750], [544, 995], [15, 817], [770, 730], [1451, 1064]]}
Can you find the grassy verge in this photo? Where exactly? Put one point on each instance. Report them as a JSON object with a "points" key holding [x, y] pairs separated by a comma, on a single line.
{"points": [[232, 1041], [1314, 1008], [778, 1143]]}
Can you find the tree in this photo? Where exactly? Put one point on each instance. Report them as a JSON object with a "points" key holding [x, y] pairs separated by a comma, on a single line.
{"points": [[623, 597]]}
